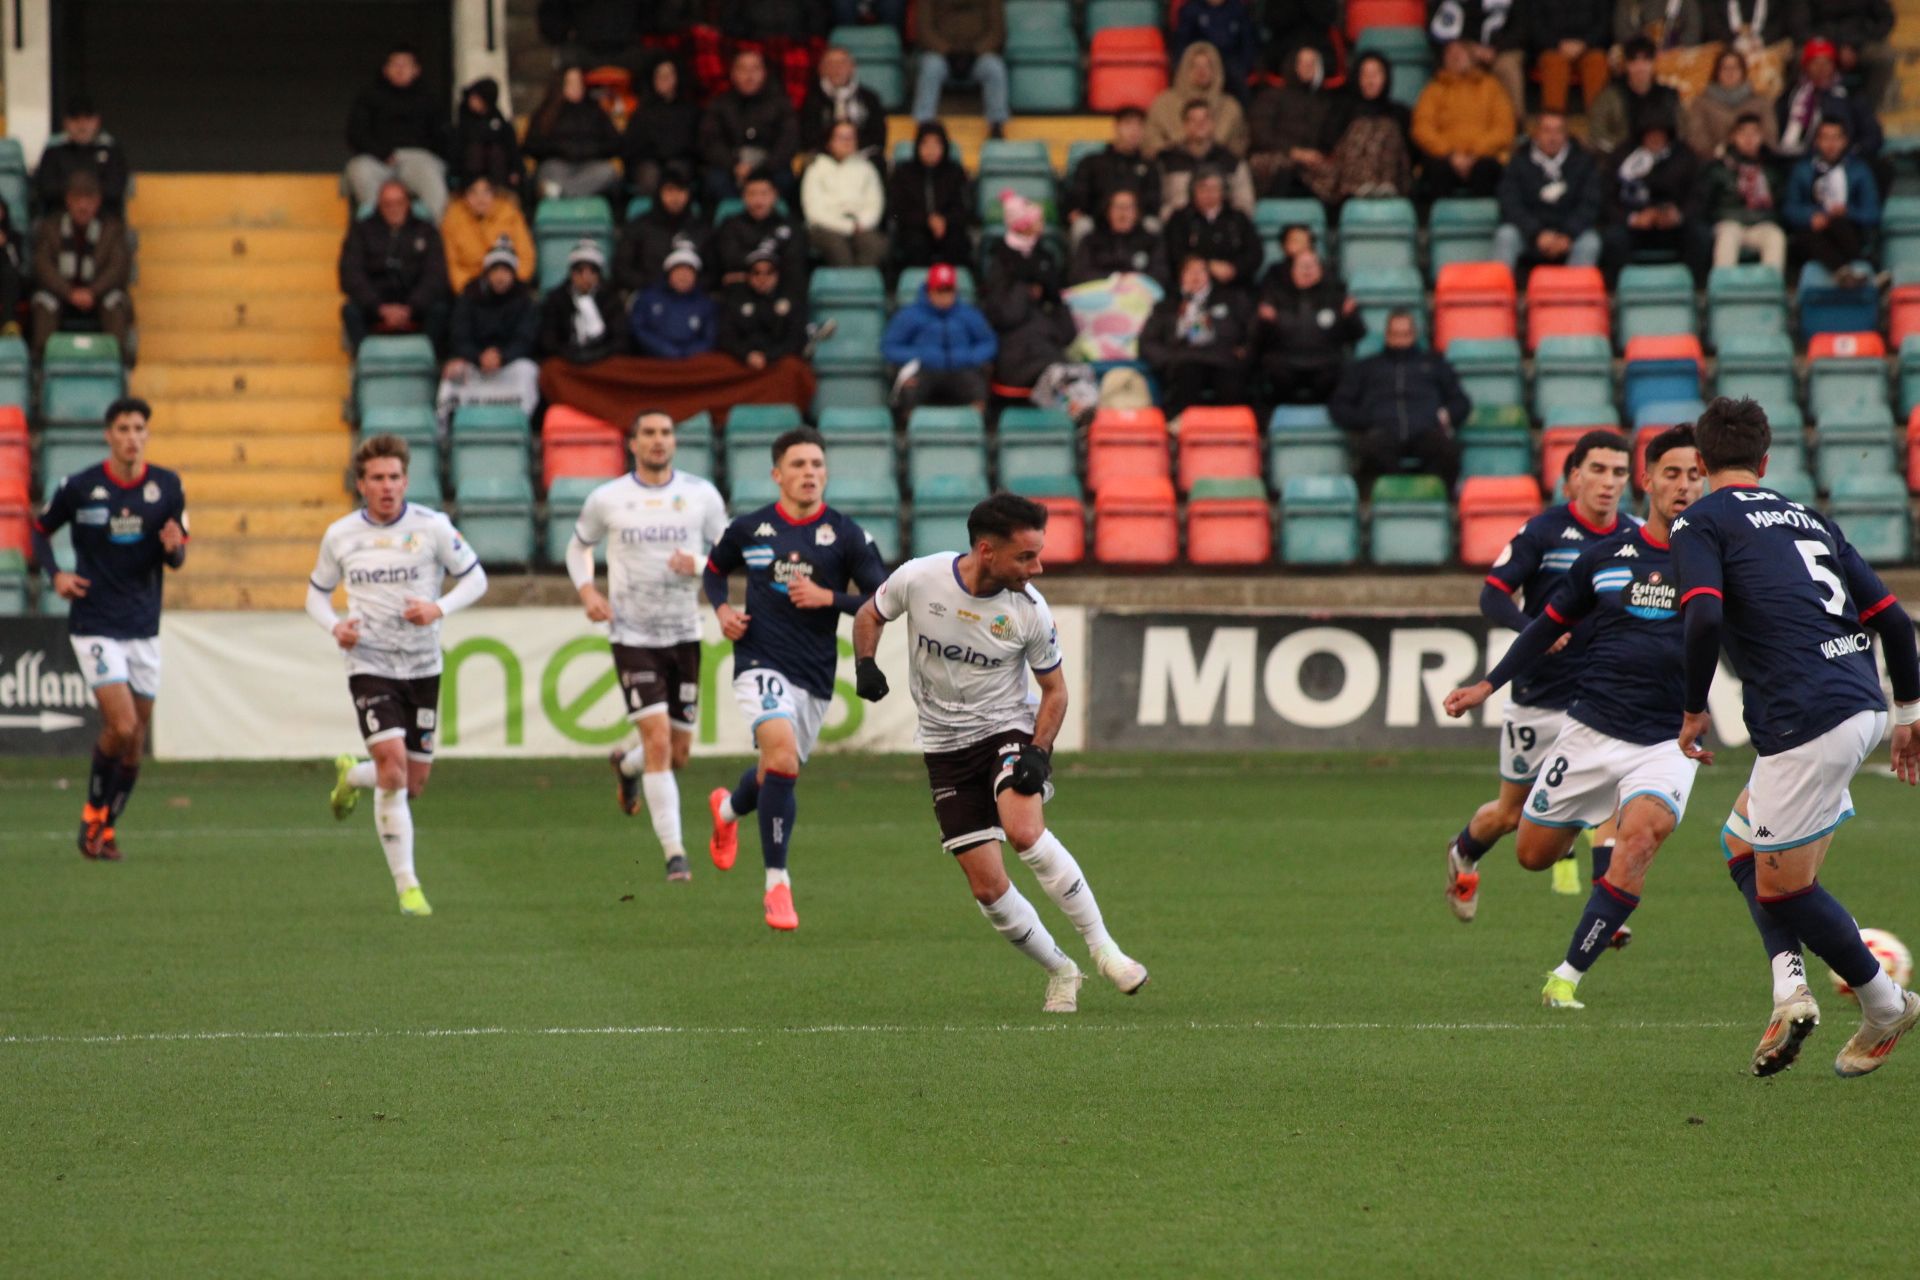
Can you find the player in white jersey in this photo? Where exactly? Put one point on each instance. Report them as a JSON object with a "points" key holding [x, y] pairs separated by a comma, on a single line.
{"points": [[394, 556], [976, 627], [658, 524]]}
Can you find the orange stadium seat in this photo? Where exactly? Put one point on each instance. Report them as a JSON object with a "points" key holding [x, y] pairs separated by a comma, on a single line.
{"points": [[1913, 450], [577, 444], [13, 422], [1126, 67], [1555, 444], [1126, 442], [1473, 300], [1066, 530], [1223, 442], [1136, 522], [1846, 346], [1673, 346], [1566, 300], [1491, 508], [1229, 522], [1362, 14], [1903, 313]]}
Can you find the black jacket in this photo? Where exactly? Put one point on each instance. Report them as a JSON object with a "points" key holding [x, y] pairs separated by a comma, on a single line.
{"points": [[1400, 393], [1033, 332], [1044, 266], [483, 319], [556, 325], [64, 158], [817, 120], [381, 264], [1853, 22], [645, 242], [1672, 180], [1543, 24], [741, 234], [1231, 315], [579, 131], [1524, 206], [794, 19], [1310, 329], [484, 145], [385, 119], [1230, 236], [1102, 252], [914, 191], [1105, 172], [765, 121], [663, 132], [600, 25], [774, 325], [1786, 20]]}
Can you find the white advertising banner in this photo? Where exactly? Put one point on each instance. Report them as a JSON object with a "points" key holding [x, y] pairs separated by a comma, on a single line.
{"points": [[532, 682]]}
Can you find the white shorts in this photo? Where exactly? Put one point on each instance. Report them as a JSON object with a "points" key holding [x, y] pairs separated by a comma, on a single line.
{"points": [[134, 663], [1799, 795], [764, 694], [1525, 735], [1589, 777]]}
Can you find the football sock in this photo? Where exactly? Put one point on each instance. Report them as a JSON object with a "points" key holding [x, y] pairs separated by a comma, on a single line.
{"points": [[1781, 942], [1830, 933], [124, 778], [100, 780], [1060, 876], [776, 876], [744, 798], [1881, 998], [777, 811], [393, 819], [1789, 973], [363, 776], [1470, 849], [1602, 859], [633, 764], [663, 806], [1607, 909], [1020, 924]]}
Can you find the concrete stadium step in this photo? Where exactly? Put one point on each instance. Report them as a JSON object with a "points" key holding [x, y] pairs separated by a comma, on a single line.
{"points": [[187, 591], [257, 487], [281, 558], [214, 521], [238, 244], [264, 312], [256, 200], [318, 276], [241, 379], [299, 346], [266, 415], [312, 450]]}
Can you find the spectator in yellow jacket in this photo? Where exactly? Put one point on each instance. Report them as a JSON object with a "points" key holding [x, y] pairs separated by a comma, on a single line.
{"points": [[474, 224], [1463, 125]]}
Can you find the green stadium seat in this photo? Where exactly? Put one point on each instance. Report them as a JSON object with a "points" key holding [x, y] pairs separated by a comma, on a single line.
{"points": [[881, 520], [1461, 230], [941, 505], [1653, 301], [65, 450], [693, 446], [865, 390], [845, 287], [1036, 444], [639, 206], [491, 464], [561, 223], [1841, 384], [1490, 370], [16, 376], [500, 532], [1035, 187], [1573, 414], [1381, 293], [768, 420], [1873, 511], [491, 418], [1900, 233], [1794, 488], [1079, 149], [1497, 440], [1759, 365], [854, 347], [396, 370], [751, 431], [1909, 365], [1412, 522], [1745, 299], [862, 463], [13, 157], [946, 446], [423, 485], [81, 375], [1854, 444], [876, 49], [1302, 441], [416, 424], [1271, 215], [1000, 157], [565, 497], [1378, 235], [1320, 521], [1044, 79], [1407, 52], [15, 598], [1572, 369], [1102, 14]]}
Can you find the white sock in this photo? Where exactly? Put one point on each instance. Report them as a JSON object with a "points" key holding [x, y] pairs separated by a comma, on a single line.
{"points": [[663, 806], [1060, 876], [776, 875], [633, 762], [1881, 999], [1567, 971], [1789, 974], [393, 819], [726, 809], [1020, 924], [363, 775]]}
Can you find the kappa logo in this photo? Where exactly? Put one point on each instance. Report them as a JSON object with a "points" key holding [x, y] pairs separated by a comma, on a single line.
{"points": [[1678, 525], [1627, 553], [98, 494], [1763, 833], [1573, 535], [765, 530]]}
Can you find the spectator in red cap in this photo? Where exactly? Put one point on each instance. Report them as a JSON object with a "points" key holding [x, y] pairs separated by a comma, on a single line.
{"points": [[940, 346], [1858, 30], [1820, 95]]}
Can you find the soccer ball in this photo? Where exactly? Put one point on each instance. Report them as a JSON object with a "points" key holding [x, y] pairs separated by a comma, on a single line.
{"points": [[1889, 951]]}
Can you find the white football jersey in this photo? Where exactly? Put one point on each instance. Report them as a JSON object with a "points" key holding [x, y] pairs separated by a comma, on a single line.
{"points": [[383, 566], [970, 654], [643, 525]]}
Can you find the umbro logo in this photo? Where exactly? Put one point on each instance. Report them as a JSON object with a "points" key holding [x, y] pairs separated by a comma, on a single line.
{"points": [[764, 531], [1626, 553], [1573, 535], [1763, 833]]}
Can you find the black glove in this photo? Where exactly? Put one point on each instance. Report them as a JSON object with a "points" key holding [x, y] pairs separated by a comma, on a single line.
{"points": [[868, 680], [1031, 769]]}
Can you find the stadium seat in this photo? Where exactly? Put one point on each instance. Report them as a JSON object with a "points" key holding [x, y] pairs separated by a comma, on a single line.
{"points": [[1668, 413], [1066, 526], [1661, 368], [1846, 372], [748, 440], [876, 49], [1572, 369], [854, 349], [1854, 444], [1035, 444], [1872, 509], [1302, 441], [1746, 299], [1900, 233], [1229, 522], [693, 446], [1473, 300], [941, 504], [490, 466], [881, 520], [1585, 416], [81, 374], [394, 370], [846, 287], [1000, 157], [1136, 522], [1043, 58], [13, 584], [1408, 52], [500, 530], [13, 422], [1826, 307], [16, 471], [1218, 443], [1411, 522], [1903, 308], [1102, 14], [560, 223], [414, 423], [1491, 508], [1379, 234], [1126, 442], [1564, 301], [946, 444], [1460, 230], [1320, 521], [16, 378], [1497, 440], [1038, 188], [1909, 374], [1489, 369], [1556, 443], [1126, 67], [861, 455], [1271, 216], [1653, 300], [1759, 365], [1381, 293], [1913, 449], [565, 497], [576, 444], [1362, 14]]}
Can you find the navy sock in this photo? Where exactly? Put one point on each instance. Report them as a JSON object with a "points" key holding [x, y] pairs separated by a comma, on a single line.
{"points": [[1607, 909], [1470, 849], [746, 793], [1775, 936], [1602, 859], [100, 780], [124, 778], [776, 818], [1828, 930]]}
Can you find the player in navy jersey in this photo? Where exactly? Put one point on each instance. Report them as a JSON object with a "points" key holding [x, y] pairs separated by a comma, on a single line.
{"points": [[1616, 758], [1532, 566], [129, 523], [1793, 602], [806, 565]]}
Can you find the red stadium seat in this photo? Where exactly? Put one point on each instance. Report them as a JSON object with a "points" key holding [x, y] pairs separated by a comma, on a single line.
{"points": [[1066, 531], [1473, 300], [577, 444], [1566, 300], [1126, 442], [1218, 442], [1903, 313], [1362, 14], [1229, 531], [13, 422], [1677, 346], [1136, 522], [1846, 346], [1913, 451], [1491, 509], [16, 471], [1126, 67]]}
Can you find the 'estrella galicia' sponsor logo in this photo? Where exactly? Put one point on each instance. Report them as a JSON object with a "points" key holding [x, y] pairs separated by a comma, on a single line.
{"points": [[375, 577], [1841, 646], [1654, 599], [958, 653]]}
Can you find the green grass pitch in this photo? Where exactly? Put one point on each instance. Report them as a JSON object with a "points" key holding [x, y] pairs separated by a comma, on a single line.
{"points": [[231, 1056]]}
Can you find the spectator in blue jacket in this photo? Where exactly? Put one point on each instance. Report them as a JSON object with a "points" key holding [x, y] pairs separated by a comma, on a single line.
{"points": [[1228, 26], [940, 345], [1832, 203], [675, 318]]}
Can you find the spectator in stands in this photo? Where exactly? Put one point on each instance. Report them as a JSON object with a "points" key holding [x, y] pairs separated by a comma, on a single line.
{"points": [[474, 224], [760, 324], [1728, 97], [1668, 24], [749, 128], [1021, 253], [675, 317], [1297, 238], [1463, 125], [640, 256], [496, 322], [81, 144], [396, 132], [1481, 25], [573, 141], [1740, 199], [870, 13], [664, 129], [1632, 102], [1221, 235], [961, 40], [1403, 406], [1198, 339], [1122, 163], [13, 274], [1832, 204], [789, 34], [485, 145], [1198, 149], [595, 32], [1307, 323], [939, 346], [1560, 39], [1859, 31], [1549, 201], [761, 224], [838, 95], [580, 318], [1120, 244], [82, 266], [843, 199], [1651, 187], [1031, 322], [1201, 75], [928, 202], [1751, 27], [393, 270], [1229, 26], [1295, 126], [1820, 96], [1372, 156]]}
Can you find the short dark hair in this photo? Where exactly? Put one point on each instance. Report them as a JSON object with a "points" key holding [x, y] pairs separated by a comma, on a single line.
{"points": [[84, 182], [1680, 437], [1598, 438], [1003, 515], [127, 404], [634, 426], [758, 175], [1733, 435], [798, 436], [1748, 117], [1192, 103], [1834, 122], [78, 105], [1125, 114], [1292, 227], [1638, 47], [675, 174], [381, 446]]}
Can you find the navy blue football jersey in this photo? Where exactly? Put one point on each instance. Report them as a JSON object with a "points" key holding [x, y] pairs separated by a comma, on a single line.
{"points": [[1633, 681], [116, 546], [1533, 564], [830, 549], [1794, 595]]}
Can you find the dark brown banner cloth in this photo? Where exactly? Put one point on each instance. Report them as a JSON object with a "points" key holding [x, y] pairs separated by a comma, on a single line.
{"points": [[618, 388]]}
